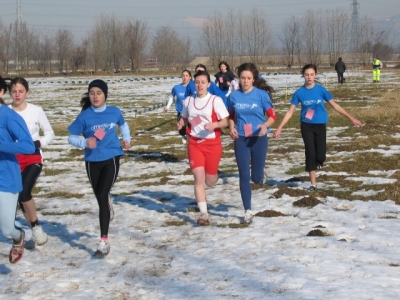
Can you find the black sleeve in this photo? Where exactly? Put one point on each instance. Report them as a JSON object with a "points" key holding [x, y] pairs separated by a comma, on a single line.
{"points": [[37, 144], [231, 76]]}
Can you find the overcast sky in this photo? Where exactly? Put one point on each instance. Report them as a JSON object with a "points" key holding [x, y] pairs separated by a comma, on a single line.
{"points": [[80, 15]]}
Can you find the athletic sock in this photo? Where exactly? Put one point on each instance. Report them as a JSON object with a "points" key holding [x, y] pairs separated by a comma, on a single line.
{"points": [[35, 223], [202, 207]]}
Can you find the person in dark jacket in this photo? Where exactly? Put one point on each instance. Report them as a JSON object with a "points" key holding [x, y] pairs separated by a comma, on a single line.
{"points": [[340, 67]]}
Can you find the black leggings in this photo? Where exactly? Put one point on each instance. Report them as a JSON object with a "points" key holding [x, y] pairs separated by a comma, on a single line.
{"points": [[314, 137], [102, 176], [29, 176]]}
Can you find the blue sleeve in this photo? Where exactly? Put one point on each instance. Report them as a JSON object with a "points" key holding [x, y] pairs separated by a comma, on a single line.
{"points": [[77, 141], [173, 92], [121, 119], [76, 127], [266, 101], [23, 143], [215, 90], [295, 99], [126, 134], [189, 89], [326, 95]]}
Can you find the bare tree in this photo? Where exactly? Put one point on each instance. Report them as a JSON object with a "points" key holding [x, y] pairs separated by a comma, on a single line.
{"points": [[107, 43], [63, 48], [337, 33], [136, 37], [291, 39], [5, 46], [211, 40], [364, 41], [185, 50], [167, 47], [257, 35], [45, 54], [313, 34]]}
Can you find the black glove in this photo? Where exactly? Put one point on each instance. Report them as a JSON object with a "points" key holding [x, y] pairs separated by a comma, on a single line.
{"points": [[37, 144]]}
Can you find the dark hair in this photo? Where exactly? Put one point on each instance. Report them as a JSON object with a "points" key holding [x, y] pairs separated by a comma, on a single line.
{"points": [[308, 66], [85, 102], [19, 80], [187, 71], [3, 86], [200, 73], [224, 63], [201, 66], [259, 83]]}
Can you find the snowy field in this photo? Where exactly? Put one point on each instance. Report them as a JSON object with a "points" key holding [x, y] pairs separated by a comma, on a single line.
{"points": [[157, 249]]}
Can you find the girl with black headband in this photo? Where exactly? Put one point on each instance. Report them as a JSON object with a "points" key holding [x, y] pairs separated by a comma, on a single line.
{"points": [[97, 123]]}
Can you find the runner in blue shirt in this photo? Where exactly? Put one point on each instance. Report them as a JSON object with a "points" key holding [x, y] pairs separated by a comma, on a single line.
{"points": [[248, 128], [98, 123], [313, 119], [14, 139], [178, 92]]}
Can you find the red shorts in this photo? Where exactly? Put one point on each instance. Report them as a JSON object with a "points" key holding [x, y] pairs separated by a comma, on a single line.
{"points": [[205, 153]]}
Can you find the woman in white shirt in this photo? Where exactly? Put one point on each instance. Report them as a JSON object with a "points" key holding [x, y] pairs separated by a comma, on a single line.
{"points": [[31, 164], [205, 115]]}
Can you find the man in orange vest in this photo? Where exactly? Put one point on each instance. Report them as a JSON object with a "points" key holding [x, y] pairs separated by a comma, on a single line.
{"points": [[376, 69]]}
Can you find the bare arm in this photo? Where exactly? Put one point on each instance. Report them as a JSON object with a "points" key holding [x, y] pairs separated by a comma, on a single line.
{"points": [[342, 111], [232, 130], [285, 119]]}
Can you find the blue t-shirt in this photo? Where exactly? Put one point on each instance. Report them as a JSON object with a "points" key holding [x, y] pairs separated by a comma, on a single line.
{"points": [[249, 109], [14, 139], [178, 91], [312, 104], [213, 90], [88, 121]]}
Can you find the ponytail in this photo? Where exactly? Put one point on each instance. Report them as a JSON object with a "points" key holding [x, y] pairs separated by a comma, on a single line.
{"points": [[85, 102]]}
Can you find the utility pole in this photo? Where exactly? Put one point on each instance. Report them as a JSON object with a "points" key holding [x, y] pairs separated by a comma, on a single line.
{"points": [[18, 28], [354, 26]]}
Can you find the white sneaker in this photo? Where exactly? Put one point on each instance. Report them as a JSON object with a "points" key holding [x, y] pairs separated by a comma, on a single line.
{"points": [[111, 208], [204, 220], [248, 217], [184, 139], [39, 238], [103, 249]]}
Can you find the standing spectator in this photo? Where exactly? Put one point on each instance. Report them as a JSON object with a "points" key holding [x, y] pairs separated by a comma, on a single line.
{"points": [[340, 68], [178, 92], [205, 114], [31, 164], [224, 77], [313, 119], [376, 69], [14, 138], [248, 127], [97, 123]]}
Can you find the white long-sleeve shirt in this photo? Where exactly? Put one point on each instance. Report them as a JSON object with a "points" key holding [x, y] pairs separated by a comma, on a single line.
{"points": [[36, 120]]}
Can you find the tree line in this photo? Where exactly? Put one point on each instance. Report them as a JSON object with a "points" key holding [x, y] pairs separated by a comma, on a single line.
{"points": [[113, 44]]}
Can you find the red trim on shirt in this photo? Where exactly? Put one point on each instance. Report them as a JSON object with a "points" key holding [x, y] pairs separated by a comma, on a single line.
{"points": [[271, 113]]}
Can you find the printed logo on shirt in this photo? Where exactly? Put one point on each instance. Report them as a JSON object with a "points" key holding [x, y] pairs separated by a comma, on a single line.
{"points": [[245, 106], [103, 126], [312, 102]]}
